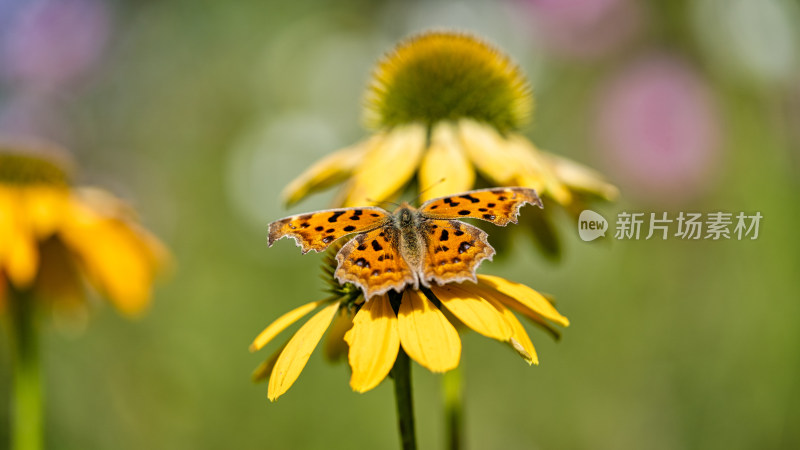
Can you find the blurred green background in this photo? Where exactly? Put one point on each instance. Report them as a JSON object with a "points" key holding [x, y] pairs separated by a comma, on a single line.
{"points": [[200, 112]]}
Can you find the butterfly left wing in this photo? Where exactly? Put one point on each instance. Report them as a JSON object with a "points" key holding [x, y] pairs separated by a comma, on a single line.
{"points": [[318, 230], [372, 261], [497, 205], [454, 250]]}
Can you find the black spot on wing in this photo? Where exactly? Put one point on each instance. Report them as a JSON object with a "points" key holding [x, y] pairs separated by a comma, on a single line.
{"points": [[489, 216], [445, 236], [335, 216], [464, 247], [349, 228], [361, 262], [450, 202], [376, 246], [327, 239], [470, 198], [463, 212], [319, 228]]}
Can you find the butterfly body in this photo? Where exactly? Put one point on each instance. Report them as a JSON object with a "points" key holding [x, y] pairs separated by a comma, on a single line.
{"points": [[409, 222], [409, 247]]}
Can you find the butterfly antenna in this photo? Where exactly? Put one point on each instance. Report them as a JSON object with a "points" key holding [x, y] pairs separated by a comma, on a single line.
{"points": [[428, 189], [384, 202]]}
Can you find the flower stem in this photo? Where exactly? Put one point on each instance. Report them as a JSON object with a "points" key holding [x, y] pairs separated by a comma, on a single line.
{"points": [[453, 407], [401, 372], [26, 403]]}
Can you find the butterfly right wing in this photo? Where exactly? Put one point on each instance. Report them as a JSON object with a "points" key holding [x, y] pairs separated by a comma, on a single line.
{"points": [[497, 205], [372, 261], [318, 230], [454, 250]]}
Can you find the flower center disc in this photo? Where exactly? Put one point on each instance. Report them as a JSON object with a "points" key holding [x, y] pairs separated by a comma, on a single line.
{"points": [[446, 76], [22, 169]]}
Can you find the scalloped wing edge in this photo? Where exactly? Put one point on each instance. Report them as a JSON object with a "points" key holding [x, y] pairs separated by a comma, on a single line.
{"points": [[484, 236], [537, 201], [274, 233]]}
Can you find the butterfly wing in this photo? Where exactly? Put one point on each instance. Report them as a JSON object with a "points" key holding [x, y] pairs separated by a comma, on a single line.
{"points": [[497, 205], [317, 230], [454, 250], [372, 261]]}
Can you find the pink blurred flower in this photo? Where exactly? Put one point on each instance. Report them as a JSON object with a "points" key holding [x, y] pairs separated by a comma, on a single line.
{"points": [[52, 42], [658, 129], [585, 28]]}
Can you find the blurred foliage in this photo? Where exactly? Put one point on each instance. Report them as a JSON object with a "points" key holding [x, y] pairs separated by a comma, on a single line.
{"points": [[199, 112]]}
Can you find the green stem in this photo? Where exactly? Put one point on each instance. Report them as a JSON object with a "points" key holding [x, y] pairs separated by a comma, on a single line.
{"points": [[401, 372], [26, 400], [453, 407]]}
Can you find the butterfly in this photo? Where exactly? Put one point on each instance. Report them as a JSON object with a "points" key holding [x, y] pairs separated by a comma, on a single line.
{"points": [[409, 247]]}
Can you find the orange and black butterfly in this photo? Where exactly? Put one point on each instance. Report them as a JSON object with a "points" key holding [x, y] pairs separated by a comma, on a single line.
{"points": [[409, 247]]}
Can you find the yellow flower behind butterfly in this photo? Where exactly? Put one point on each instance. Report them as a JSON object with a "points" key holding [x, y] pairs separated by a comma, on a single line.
{"points": [[422, 322], [53, 236], [444, 106]]}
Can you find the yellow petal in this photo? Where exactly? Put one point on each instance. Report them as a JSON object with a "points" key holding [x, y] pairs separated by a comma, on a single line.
{"points": [[102, 203], [374, 343], [426, 334], [328, 171], [580, 177], [113, 256], [532, 170], [23, 260], [445, 169], [295, 356], [282, 323], [335, 345], [157, 254], [261, 373], [524, 296], [519, 340], [18, 252], [45, 207], [473, 311], [388, 166], [486, 148]]}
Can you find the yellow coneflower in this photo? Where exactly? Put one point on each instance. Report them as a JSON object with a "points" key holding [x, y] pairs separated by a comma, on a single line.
{"points": [[416, 321], [53, 236], [443, 106]]}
